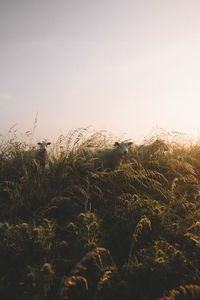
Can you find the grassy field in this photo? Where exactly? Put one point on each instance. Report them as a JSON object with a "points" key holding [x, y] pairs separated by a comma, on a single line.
{"points": [[68, 231]]}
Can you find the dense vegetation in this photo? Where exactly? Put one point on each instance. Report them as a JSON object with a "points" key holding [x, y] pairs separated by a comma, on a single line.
{"points": [[68, 231]]}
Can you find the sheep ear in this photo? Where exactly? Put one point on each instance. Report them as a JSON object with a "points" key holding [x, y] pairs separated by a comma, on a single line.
{"points": [[116, 144]]}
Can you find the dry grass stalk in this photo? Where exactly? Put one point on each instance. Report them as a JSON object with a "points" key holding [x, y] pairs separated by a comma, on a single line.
{"points": [[193, 238], [187, 292], [143, 225]]}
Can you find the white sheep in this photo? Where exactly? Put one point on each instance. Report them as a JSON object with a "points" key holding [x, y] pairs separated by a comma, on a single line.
{"points": [[38, 156], [107, 158], [112, 158], [41, 154]]}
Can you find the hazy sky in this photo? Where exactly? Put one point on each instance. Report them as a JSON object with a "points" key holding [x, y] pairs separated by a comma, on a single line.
{"points": [[121, 65]]}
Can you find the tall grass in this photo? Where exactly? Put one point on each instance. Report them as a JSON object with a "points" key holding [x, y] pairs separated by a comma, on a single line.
{"points": [[69, 231]]}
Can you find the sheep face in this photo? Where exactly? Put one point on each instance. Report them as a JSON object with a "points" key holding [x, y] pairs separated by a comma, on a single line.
{"points": [[43, 146], [122, 148]]}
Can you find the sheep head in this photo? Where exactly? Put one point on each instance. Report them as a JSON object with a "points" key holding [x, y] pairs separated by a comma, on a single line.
{"points": [[43, 146], [122, 148]]}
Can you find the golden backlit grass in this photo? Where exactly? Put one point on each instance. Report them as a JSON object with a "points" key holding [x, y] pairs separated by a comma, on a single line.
{"points": [[70, 231]]}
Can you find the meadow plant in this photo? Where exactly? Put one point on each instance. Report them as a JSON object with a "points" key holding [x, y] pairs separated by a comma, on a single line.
{"points": [[70, 231]]}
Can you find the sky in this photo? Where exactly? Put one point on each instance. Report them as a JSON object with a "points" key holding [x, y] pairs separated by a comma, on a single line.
{"points": [[124, 66]]}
